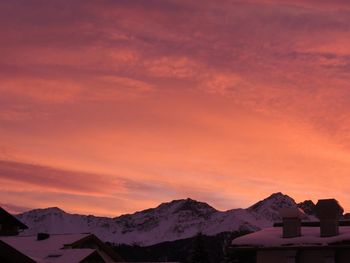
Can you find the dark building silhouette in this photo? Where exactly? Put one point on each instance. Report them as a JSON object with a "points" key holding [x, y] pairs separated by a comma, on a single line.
{"points": [[329, 211], [10, 225]]}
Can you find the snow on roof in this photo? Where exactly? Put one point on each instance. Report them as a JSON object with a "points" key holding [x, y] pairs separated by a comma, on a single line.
{"points": [[272, 237], [41, 249], [68, 255]]}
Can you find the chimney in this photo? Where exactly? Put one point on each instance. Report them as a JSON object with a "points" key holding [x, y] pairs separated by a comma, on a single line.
{"points": [[42, 236], [291, 217], [329, 211]]}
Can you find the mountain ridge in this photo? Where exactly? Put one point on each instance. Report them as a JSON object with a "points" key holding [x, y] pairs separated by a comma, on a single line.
{"points": [[169, 221]]}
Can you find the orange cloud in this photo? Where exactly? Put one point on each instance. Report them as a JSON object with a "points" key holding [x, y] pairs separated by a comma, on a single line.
{"points": [[45, 90], [173, 67]]}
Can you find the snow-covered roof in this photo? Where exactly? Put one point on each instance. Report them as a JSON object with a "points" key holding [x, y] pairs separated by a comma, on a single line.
{"points": [[68, 255], [272, 237], [40, 250]]}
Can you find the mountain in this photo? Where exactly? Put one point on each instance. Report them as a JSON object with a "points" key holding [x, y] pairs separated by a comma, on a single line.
{"points": [[309, 207], [269, 207], [178, 219]]}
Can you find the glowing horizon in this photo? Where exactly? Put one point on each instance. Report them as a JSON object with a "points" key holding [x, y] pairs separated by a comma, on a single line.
{"points": [[127, 104]]}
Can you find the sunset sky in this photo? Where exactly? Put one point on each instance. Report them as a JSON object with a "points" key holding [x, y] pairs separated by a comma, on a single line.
{"points": [[109, 107]]}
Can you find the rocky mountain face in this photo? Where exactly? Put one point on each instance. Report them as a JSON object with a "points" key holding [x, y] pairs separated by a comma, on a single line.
{"points": [[170, 221], [309, 207]]}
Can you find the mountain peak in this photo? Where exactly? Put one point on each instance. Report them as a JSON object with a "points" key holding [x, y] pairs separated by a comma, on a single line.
{"points": [[48, 210], [277, 194], [278, 200], [308, 207], [54, 209], [187, 204], [177, 201], [269, 207], [193, 205]]}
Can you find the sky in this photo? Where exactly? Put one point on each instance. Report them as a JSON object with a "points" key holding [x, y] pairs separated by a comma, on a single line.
{"points": [[110, 107]]}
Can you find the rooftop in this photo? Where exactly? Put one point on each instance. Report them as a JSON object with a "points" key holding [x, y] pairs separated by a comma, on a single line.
{"points": [[272, 238], [49, 250], [68, 255]]}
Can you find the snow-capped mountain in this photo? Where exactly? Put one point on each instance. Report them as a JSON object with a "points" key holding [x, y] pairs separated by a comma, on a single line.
{"points": [[175, 220], [269, 207]]}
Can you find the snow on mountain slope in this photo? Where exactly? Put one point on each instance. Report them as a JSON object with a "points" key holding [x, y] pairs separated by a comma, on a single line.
{"points": [[268, 209], [169, 221]]}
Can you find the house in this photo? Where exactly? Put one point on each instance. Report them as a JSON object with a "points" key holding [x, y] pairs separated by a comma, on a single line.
{"points": [[9, 225], [293, 241], [48, 248], [10, 255], [45, 248]]}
